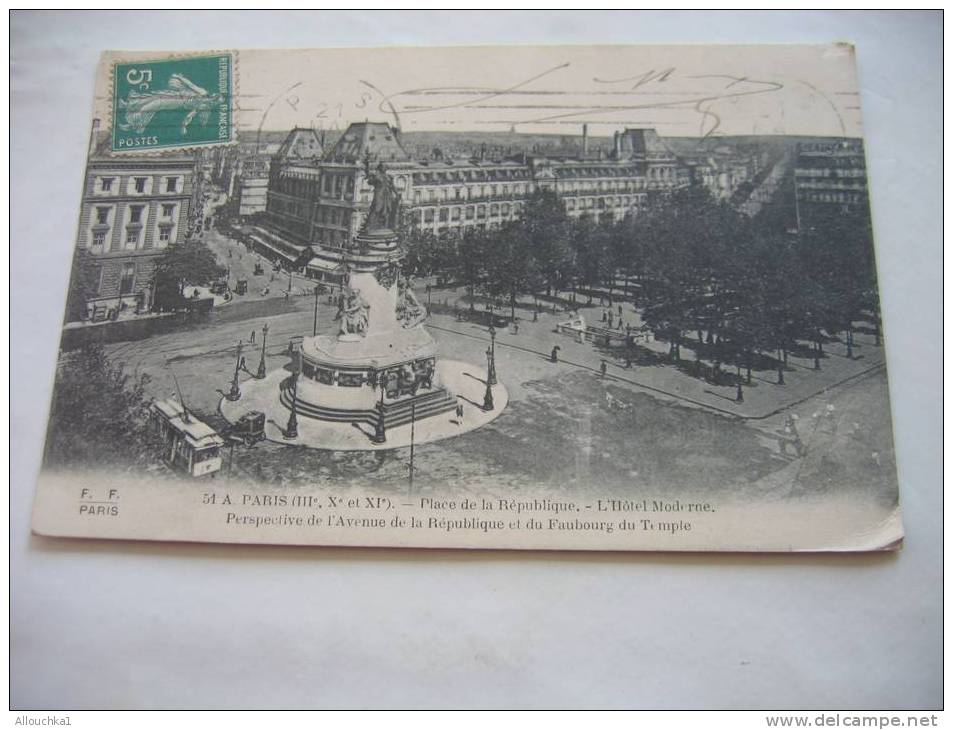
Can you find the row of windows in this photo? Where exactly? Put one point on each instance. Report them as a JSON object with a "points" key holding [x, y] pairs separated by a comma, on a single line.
{"points": [[832, 198], [469, 212], [166, 211], [133, 236], [423, 178], [428, 195], [138, 184]]}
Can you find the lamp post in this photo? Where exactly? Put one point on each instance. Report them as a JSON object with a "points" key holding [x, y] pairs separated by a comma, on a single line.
{"points": [[488, 394], [235, 392], [380, 434], [291, 430], [739, 393], [491, 358], [314, 330], [261, 364]]}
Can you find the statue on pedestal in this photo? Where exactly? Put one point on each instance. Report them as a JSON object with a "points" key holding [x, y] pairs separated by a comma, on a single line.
{"points": [[409, 310], [382, 215], [353, 313]]}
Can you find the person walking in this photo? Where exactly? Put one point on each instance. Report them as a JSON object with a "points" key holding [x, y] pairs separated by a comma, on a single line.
{"points": [[602, 368], [554, 355], [252, 338]]}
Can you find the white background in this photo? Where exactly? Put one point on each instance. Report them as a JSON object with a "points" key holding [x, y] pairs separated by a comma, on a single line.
{"points": [[110, 625]]}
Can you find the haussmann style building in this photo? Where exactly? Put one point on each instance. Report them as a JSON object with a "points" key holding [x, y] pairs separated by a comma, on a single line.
{"points": [[133, 208], [318, 199]]}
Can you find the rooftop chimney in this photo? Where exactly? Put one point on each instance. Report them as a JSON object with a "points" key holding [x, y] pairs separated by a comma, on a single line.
{"points": [[585, 140], [618, 145]]}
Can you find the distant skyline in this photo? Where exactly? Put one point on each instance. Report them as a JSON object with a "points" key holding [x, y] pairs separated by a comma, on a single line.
{"points": [[682, 91]]}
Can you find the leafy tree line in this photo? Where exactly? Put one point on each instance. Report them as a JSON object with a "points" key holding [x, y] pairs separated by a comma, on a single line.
{"points": [[99, 414], [699, 270]]}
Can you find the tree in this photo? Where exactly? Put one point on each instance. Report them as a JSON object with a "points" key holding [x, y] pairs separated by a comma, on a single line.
{"points": [[547, 230], [469, 265], [189, 262], [511, 268], [98, 415]]}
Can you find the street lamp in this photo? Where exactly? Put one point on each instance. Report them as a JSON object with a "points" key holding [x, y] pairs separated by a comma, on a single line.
{"points": [[491, 358], [380, 434], [314, 330], [739, 394], [235, 392], [261, 364], [291, 430], [488, 394]]}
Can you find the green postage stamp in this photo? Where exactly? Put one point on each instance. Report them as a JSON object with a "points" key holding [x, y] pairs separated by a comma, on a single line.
{"points": [[177, 102]]}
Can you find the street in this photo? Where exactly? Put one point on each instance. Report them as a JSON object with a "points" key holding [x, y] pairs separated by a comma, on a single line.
{"points": [[646, 428]]}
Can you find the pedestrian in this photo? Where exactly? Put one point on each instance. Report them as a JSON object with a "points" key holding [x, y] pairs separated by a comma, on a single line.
{"points": [[252, 338], [620, 310], [459, 412], [602, 368], [628, 360], [516, 327], [605, 315], [241, 363], [554, 355]]}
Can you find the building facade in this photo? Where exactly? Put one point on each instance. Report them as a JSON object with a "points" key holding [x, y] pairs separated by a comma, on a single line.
{"points": [[319, 201], [829, 177], [133, 209]]}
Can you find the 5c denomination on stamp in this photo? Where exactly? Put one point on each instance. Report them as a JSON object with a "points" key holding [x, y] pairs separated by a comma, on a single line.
{"points": [[176, 102]]}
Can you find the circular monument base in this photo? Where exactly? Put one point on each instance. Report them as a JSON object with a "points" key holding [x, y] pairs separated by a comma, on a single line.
{"points": [[467, 381]]}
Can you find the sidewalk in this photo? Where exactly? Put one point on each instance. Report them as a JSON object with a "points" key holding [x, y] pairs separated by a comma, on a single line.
{"points": [[762, 399]]}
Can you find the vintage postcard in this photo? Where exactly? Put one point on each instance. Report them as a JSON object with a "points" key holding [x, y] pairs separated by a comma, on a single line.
{"points": [[563, 298]]}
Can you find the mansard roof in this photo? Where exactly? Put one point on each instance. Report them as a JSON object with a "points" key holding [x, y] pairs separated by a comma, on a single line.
{"points": [[300, 144], [376, 140]]}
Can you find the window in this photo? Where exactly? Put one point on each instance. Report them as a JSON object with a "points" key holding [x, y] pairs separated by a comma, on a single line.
{"points": [[132, 237], [102, 216], [455, 214], [428, 215], [505, 208], [140, 183], [494, 209], [171, 184], [165, 233], [106, 184], [99, 238], [481, 211], [128, 280], [135, 213], [444, 215], [469, 212], [167, 210]]}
